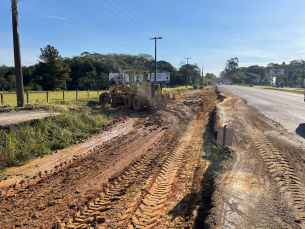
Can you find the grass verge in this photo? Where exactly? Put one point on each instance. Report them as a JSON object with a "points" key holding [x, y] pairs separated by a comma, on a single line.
{"points": [[40, 137], [10, 98]]}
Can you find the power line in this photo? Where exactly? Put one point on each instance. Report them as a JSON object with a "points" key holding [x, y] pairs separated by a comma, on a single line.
{"points": [[136, 17], [171, 50], [148, 26], [127, 22], [120, 18], [174, 47], [86, 25], [127, 15]]}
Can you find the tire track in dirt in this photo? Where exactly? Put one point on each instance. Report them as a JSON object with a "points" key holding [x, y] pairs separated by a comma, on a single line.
{"points": [[285, 176], [266, 189], [150, 205], [116, 189], [103, 189]]}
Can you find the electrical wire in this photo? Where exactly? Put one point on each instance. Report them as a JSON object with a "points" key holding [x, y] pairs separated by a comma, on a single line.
{"points": [[146, 25], [127, 16], [120, 18], [137, 45], [170, 50]]}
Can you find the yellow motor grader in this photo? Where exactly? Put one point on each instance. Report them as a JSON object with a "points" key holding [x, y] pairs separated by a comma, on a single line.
{"points": [[136, 91]]}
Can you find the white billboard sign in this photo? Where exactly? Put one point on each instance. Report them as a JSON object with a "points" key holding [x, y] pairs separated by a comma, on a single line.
{"points": [[276, 72], [161, 77], [165, 77]]}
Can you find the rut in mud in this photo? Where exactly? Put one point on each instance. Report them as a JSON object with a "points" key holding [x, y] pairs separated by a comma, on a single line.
{"points": [[148, 176]]}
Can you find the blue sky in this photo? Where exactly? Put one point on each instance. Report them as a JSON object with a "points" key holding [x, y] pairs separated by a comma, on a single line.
{"points": [[208, 31]]}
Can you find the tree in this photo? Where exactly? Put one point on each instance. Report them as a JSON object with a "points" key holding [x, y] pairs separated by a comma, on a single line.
{"points": [[194, 75], [54, 73], [231, 65]]}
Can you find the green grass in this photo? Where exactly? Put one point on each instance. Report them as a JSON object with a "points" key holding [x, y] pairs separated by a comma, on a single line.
{"points": [[77, 120], [179, 90], [41, 97]]}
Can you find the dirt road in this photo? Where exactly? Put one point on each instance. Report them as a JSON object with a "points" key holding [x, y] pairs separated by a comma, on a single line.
{"points": [[13, 118], [263, 184], [146, 171]]}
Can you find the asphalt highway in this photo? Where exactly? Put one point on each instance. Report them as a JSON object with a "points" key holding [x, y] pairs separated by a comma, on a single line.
{"points": [[285, 108]]}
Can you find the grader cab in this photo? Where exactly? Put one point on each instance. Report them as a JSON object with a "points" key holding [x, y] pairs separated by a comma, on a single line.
{"points": [[136, 91]]}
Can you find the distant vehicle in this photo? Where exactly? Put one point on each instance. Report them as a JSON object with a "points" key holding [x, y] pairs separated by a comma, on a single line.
{"points": [[278, 85], [230, 83]]}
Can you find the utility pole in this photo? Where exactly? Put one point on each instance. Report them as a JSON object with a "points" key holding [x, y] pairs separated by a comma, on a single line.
{"points": [[302, 84], [17, 55], [291, 84], [202, 76], [187, 72], [155, 38]]}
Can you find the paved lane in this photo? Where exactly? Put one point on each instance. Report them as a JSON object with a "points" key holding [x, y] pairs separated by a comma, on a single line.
{"points": [[286, 108]]}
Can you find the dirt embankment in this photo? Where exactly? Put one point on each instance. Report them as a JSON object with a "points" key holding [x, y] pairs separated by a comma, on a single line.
{"points": [[263, 185], [146, 172]]}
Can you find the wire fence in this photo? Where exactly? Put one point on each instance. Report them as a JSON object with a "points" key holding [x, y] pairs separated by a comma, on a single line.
{"points": [[35, 97]]}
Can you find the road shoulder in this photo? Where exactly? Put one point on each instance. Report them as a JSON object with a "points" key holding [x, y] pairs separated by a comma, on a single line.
{"points": [[262, 186]]}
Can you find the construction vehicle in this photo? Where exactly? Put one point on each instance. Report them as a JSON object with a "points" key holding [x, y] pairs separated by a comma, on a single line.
{"points": [[136, 91]]}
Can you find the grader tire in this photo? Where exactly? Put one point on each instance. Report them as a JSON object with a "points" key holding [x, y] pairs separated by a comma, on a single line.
{"points": [[128, 101], [138, 103], [105, 98]]}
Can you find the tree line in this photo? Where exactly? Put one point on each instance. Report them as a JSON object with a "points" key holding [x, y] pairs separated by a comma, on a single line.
{"points": [[293, 73], [90, 71]]}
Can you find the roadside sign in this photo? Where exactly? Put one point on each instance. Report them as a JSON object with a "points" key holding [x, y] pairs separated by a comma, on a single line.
{"points": [[276, 71]]}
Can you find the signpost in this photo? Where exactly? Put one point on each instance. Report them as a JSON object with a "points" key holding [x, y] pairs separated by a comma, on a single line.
{"points": [[276, 71], [225, 136]]}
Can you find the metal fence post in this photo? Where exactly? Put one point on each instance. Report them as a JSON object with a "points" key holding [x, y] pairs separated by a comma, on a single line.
{"points": [[2, 100], [76, 94], [88, 93], [47, 97], [63, 95], [27, 97], [98, 91]]}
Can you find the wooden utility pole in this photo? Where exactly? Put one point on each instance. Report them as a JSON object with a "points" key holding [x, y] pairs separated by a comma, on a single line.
{"points": [[17, 55], [187, 72], [202, 76], [155, 38]]}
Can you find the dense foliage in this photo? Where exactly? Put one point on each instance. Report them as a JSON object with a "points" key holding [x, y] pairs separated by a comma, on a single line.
{"points": [[294, 73], [89, 71]]}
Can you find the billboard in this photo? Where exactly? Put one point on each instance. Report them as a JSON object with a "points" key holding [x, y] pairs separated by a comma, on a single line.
{"points": [[161, 77], [276, 72]]}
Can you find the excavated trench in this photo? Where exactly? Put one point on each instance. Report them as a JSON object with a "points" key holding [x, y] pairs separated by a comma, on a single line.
{"points": [[158, 174]]}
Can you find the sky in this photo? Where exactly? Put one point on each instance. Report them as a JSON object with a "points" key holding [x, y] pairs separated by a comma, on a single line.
{"points": [[210, 32]]}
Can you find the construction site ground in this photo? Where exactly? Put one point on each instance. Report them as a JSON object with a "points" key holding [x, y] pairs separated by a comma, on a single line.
{"points": [[156, 169]]}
